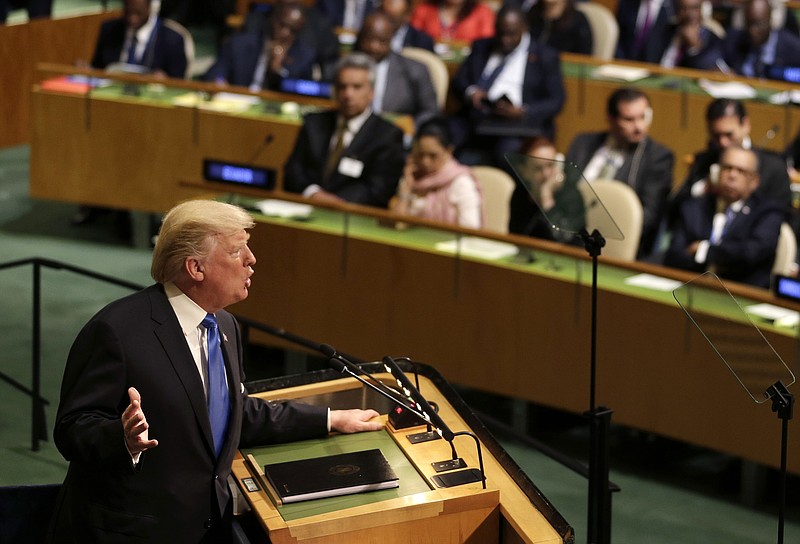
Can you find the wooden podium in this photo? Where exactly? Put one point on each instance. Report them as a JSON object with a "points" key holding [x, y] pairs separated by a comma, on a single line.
{"points": [[510, 509]]}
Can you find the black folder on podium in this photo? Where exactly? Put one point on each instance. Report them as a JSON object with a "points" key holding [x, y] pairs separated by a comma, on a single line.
{"points": [[331, 476]]}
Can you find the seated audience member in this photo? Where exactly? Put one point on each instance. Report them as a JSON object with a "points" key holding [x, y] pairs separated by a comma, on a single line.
{"points": [[35, 8], [317, 33], [453, 20], [644, 29], [626, 152], [754, 51], [510, 87], [729, 126], [402, 85], [261, 61], [140, 38], [693, 45], [347, 154], [558, 24], [347, 14], [435, 185], [734, 232], [546, 188], [405, 35]]}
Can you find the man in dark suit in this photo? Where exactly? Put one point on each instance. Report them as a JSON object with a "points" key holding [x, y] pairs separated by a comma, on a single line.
{"points": [[626, 152], [140, 38], [645, 29], [693, 45], [734, 232], [511, 89], [317, 33], [751, 52], [153, 406], [348, 154], [405, 35], [262, 61], [402, 85], [728, 125]]}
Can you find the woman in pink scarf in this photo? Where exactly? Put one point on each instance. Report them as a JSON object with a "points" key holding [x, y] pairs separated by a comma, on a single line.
{"points": [[435, 186]]}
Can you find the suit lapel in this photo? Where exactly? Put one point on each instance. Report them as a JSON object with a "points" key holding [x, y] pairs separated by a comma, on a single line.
{"points": [[169, 333]]}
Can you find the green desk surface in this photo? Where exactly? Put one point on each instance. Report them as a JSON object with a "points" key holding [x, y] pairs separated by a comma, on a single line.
{"points": [[411, 482]]}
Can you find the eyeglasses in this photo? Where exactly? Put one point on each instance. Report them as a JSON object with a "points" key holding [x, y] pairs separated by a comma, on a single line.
{"points": [[725, 167]]}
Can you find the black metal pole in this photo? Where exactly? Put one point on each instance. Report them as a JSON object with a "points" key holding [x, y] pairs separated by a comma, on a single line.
{"points": [[36, 406]]}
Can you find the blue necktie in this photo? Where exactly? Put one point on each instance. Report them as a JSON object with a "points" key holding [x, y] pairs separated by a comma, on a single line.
{"points": [[132, 51], [218, 400]]}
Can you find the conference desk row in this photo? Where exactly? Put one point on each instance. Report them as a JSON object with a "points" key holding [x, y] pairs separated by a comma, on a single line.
{"points": [[131, 144], [517, 328]]}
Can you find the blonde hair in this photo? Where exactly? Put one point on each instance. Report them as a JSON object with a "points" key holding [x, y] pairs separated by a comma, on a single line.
{"points": [[189, 230]]}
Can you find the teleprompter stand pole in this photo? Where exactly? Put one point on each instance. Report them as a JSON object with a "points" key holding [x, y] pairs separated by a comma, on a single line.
{"points": [[599, 518], [783, 405]]}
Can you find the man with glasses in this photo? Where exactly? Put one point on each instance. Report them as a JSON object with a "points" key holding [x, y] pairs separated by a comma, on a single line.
{"points": [[728, 125], [733, 230]]}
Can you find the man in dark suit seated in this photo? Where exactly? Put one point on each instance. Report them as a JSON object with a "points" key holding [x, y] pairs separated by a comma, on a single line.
{"points": [[510, 87], [140, 38], [626, 152], [732, 231], [402, 85], [262, 61], [728, 126], [644, 29], [317, 33], [693, 45], [350, 153], [405, 35], [153, 407], [757, 50]]}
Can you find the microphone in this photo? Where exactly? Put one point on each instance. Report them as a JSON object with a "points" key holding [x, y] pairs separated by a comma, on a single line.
{"points": [[263, 145], [345, 366]]}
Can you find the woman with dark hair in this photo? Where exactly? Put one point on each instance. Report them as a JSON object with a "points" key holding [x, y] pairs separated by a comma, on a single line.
{"points": [[435, 185], [454, 20], [558, 24]]}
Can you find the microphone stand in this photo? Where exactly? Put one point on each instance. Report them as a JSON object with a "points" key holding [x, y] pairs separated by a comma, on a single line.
{"points": [[599, 516], [419, 406], [783, 405]]}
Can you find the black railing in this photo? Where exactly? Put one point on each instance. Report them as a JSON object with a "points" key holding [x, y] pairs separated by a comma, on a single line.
{"points": [[38, 421]]}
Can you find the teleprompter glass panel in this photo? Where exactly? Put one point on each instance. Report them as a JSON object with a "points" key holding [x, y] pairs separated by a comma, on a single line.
{"points": [[733, 336], [566, 200]]}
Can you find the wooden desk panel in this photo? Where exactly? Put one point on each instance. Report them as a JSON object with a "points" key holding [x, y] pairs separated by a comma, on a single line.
{"points": [[133, 155], [23, 46]]}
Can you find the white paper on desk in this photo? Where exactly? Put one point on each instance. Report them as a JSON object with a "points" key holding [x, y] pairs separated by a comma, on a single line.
{"points": [[770, 311], [482, 248], [621, 73], [649, 281], [282, 208], [727, 89], [785, 97]]}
